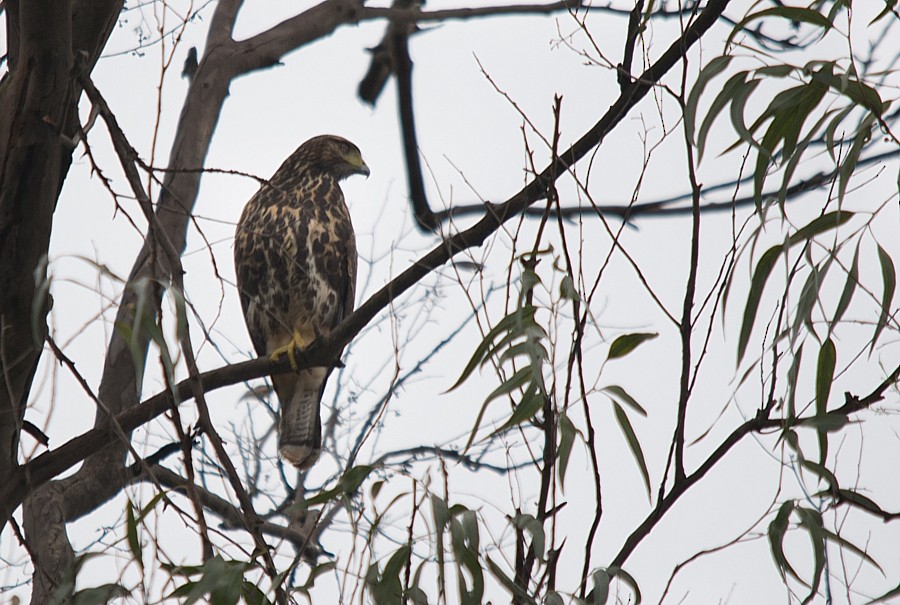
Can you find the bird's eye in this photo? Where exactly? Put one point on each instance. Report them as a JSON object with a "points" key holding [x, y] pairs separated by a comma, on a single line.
{"points": [[345, 148]]}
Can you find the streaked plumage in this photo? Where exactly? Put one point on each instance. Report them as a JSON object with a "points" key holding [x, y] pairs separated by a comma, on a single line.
{"points": [[295, 259]]}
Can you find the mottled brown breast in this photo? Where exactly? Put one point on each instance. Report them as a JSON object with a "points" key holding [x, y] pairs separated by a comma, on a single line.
{"points": [[295, 256]]}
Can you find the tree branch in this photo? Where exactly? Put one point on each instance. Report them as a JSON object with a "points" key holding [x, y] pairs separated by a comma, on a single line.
{"points": [[48, 465], [399, 52], [665, 208], [232, 516], [761, 422]]}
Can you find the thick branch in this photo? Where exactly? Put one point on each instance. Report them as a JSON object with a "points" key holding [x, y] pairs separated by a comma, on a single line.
{"points": [[38, 120], [232, 517], [666, 208], [381, 66], [496, 215], [48, 465], [399, 52]]}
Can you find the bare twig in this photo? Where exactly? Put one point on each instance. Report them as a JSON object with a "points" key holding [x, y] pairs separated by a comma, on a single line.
{"points": [[49, 464], [758, 424]]}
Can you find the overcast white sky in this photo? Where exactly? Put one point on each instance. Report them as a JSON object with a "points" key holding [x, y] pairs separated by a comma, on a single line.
{"points": [[472, 143]]}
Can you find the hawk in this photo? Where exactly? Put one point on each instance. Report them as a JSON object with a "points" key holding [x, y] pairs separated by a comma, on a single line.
{"points": [[295, 260]]}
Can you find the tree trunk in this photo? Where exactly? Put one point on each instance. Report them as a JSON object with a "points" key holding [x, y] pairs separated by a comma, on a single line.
{"points": [[38, 122]]}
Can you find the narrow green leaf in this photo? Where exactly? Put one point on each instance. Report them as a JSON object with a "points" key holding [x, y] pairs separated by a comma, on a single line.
{"points": [[528, 523], [833, 537], [861, 501], [775, 71], [828, 423], [520, 378], [824, 379], [738, 103], [389, 589], [832, 128], [134, 544], [802, 15], [469, 522], [564, 450], [888, 595], [715, 66], [848, 291], [181, 315], [553, 598], [625, 344], [531, 349], [148, 508], [787, 179], [530, 279], [376, 489], [731, 87], [633, 444], [525, 410], [347, 485], [619, 393], [848, 166], [889, 7], [100, 595], [629, 579], [252, 595], [417, 596], [354, 477], [889, 284], [822, 473], [441, 513], [601, 586], [812, 95], [819, 225], [790, 437], [183, 590], [221, 580], [764, 267], [515, 320], [857, 91], [788, 111], [508, 583], [809, 295], [812, 521], [765, 152], [314, 573], [567, 289], [757, 283], [777, 530], [793, 373]]}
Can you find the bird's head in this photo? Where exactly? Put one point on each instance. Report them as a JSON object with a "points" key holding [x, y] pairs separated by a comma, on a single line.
{"points": [[334, 155]]}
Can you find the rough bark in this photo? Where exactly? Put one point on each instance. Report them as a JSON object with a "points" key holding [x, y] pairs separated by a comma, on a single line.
{"points": [[38, 122], [38, 112], [35, 99], [101, 476]]}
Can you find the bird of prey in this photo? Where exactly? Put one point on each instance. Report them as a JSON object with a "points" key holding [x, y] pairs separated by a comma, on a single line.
{"points": [[295, 260]]}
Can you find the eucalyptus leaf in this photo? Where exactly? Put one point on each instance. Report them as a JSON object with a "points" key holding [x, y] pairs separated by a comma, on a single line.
{"points": [[625, 344]]}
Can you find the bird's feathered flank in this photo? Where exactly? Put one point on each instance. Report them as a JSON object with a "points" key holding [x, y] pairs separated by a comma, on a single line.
{"points": [[295, 260]]}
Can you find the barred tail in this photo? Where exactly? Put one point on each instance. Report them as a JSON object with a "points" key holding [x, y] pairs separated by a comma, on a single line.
{"points": [[300, 427]]}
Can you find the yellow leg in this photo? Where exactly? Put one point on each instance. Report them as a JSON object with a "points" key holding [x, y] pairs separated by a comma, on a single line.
{"points": [[291, 348]]}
